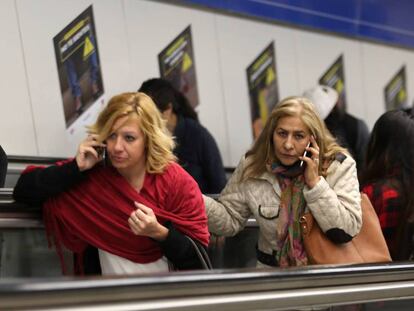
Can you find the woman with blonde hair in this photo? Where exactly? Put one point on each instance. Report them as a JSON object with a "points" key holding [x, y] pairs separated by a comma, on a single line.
{"points": [[132, 202], [276, 182]]}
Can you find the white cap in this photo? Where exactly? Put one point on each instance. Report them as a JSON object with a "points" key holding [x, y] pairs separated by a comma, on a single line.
{"points": [[323, 98]]}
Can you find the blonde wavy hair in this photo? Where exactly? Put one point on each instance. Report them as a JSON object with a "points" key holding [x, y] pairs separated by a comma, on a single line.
{"points": [[139, 106], [262, 151]]}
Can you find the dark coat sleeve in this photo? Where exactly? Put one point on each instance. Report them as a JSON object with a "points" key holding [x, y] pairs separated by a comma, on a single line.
{"points": [[361, 144], [179, 250], [212, 163], [36, 185], [3, 167]]}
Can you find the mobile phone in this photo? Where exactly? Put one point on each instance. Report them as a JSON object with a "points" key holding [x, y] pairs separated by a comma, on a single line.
{"points": [[306, 154], [101, 153], [100, 150]]}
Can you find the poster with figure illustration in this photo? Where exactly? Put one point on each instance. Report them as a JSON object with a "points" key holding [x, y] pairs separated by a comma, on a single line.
{"points": [[177, 65], [335, 78], [395, 92], [263, 88], [77, 58]]}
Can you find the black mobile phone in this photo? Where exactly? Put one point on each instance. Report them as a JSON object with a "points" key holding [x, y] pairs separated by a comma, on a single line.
{"points": [[101, 153], [100, 150], [306, 154]]}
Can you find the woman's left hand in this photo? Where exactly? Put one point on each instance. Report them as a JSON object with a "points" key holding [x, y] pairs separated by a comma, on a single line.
{"points": [[312, 164], [143, 221]]}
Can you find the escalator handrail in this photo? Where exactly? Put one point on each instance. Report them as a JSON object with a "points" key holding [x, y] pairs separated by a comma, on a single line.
{"points": [[291, 287], [32, 159]]}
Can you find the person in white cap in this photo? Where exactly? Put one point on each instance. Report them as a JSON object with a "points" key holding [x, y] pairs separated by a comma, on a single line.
{"points": [[351, 132]]}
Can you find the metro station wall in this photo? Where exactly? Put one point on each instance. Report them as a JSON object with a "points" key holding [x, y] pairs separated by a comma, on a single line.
{"points": [[150, 27], [131, 33], [17, 134]]}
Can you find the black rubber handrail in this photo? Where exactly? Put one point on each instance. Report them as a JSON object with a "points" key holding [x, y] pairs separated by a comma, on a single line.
{"points": [[32, 159]]}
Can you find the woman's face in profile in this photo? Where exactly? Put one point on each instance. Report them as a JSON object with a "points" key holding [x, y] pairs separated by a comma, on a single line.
{"points": [[126, 144], [290, 139]]}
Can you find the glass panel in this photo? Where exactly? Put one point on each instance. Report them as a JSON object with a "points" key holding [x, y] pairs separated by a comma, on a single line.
{"points": [[234, 252], [400, 305], [25, 253]]}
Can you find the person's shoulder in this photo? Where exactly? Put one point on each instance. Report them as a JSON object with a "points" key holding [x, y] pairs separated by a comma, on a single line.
{"points": [[350, 117], [175, 173], [172, 169], [195, 126], [355, 120], [344, 158], [191, 123], [199, 134], [243, 163], [343, 161]]}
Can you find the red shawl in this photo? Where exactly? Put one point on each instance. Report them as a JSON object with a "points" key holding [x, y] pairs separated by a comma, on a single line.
{"points": [[96, 212]]}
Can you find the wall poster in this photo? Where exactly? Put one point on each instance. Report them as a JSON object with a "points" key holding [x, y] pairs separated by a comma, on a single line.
{"points": [[395, 92], [78, 65], [177, 65], [263, 88], [335, 78]]}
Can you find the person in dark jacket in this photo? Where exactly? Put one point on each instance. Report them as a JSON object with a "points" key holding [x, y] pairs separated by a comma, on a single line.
{"points": [[3, 167], [196, 149], [350, 132]]}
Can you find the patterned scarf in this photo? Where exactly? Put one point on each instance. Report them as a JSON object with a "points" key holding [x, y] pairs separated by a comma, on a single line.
{"points": [[292, 206]]}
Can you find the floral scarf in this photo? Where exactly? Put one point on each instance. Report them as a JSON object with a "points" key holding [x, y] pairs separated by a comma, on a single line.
{"points": [[292, 206]]}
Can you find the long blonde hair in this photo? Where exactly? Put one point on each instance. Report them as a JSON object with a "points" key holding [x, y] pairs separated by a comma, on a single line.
{"points": [[159, 143], [262, 151]]}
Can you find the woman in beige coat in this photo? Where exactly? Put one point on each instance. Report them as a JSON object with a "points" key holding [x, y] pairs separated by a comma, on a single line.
{"points": [[275, 182]]}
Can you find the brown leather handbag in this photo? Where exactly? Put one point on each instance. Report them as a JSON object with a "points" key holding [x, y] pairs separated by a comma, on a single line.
{"points": [[368, 246]]}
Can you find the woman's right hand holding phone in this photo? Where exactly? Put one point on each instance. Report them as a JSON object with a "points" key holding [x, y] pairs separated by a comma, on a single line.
{"points": [[87, 155], [312, 164]]}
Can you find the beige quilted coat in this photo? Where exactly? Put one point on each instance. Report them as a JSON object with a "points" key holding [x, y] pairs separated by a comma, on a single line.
{"points": [[334, 203]]}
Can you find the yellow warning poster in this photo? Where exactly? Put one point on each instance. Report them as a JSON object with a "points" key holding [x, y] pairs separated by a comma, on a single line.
{"points": [[335, 78], [263, 88], [395, 92], [78, 66], [176, 62]]}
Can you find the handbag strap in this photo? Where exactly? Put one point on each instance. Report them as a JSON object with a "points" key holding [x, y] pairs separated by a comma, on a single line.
{"points": [[202, 255]]}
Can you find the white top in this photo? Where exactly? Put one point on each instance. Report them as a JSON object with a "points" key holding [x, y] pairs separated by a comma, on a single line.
{"points": [[114, 265]]}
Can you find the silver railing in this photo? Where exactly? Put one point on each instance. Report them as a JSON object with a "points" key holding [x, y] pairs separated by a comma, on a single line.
{"points": [[277, 289]]}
